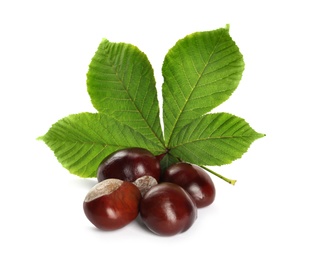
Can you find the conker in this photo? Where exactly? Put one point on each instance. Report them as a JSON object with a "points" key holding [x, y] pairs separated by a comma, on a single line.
{"points": [[167, 209], [112, 204], [129, 164], [194, 180], [144, 183]]}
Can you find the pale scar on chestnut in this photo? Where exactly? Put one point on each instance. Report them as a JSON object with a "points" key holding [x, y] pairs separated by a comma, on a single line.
{"points": [[103, 188]]}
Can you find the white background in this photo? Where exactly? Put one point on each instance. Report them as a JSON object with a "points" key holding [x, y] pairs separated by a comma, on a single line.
{"points": [[45, 50]]}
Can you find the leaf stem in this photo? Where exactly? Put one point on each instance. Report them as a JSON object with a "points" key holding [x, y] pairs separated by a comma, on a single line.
{"points": [[219, 175]]}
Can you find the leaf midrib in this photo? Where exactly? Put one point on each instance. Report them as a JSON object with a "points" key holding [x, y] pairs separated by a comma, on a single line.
{"points": [[132, 100], [254, 135], [193, 89]]}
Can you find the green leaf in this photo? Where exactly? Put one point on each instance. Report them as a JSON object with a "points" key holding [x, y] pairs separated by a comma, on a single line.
{"points": [[200, 72], [167, 161], [121, 84], [81, 141], [214, 139]]}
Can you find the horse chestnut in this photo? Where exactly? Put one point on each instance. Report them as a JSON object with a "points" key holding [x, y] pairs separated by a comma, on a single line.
{"points": [[129, 164], [194, 180], [167, 209], [112, 204], [144, 183]]}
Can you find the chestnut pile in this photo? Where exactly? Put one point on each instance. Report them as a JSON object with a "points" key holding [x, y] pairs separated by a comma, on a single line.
{"points": [[131, 184]]}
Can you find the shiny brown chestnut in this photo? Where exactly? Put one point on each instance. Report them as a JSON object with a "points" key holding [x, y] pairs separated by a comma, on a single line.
{"points": [[194, 180], [129, 164], [167, 209], [112, 204]]}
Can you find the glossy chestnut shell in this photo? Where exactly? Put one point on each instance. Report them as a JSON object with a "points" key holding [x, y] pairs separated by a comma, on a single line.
{"points": [[194, 180], [129, 164], [167, 209], [112, 204]]}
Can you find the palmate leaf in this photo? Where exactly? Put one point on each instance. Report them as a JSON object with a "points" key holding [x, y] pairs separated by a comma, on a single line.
{"points": [[121, 84], [81, 141], [214, 139], [200, 72]]}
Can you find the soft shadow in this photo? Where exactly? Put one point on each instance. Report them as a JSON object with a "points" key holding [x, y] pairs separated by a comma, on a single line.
{"points": [[139, 222], [84, 183]]}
